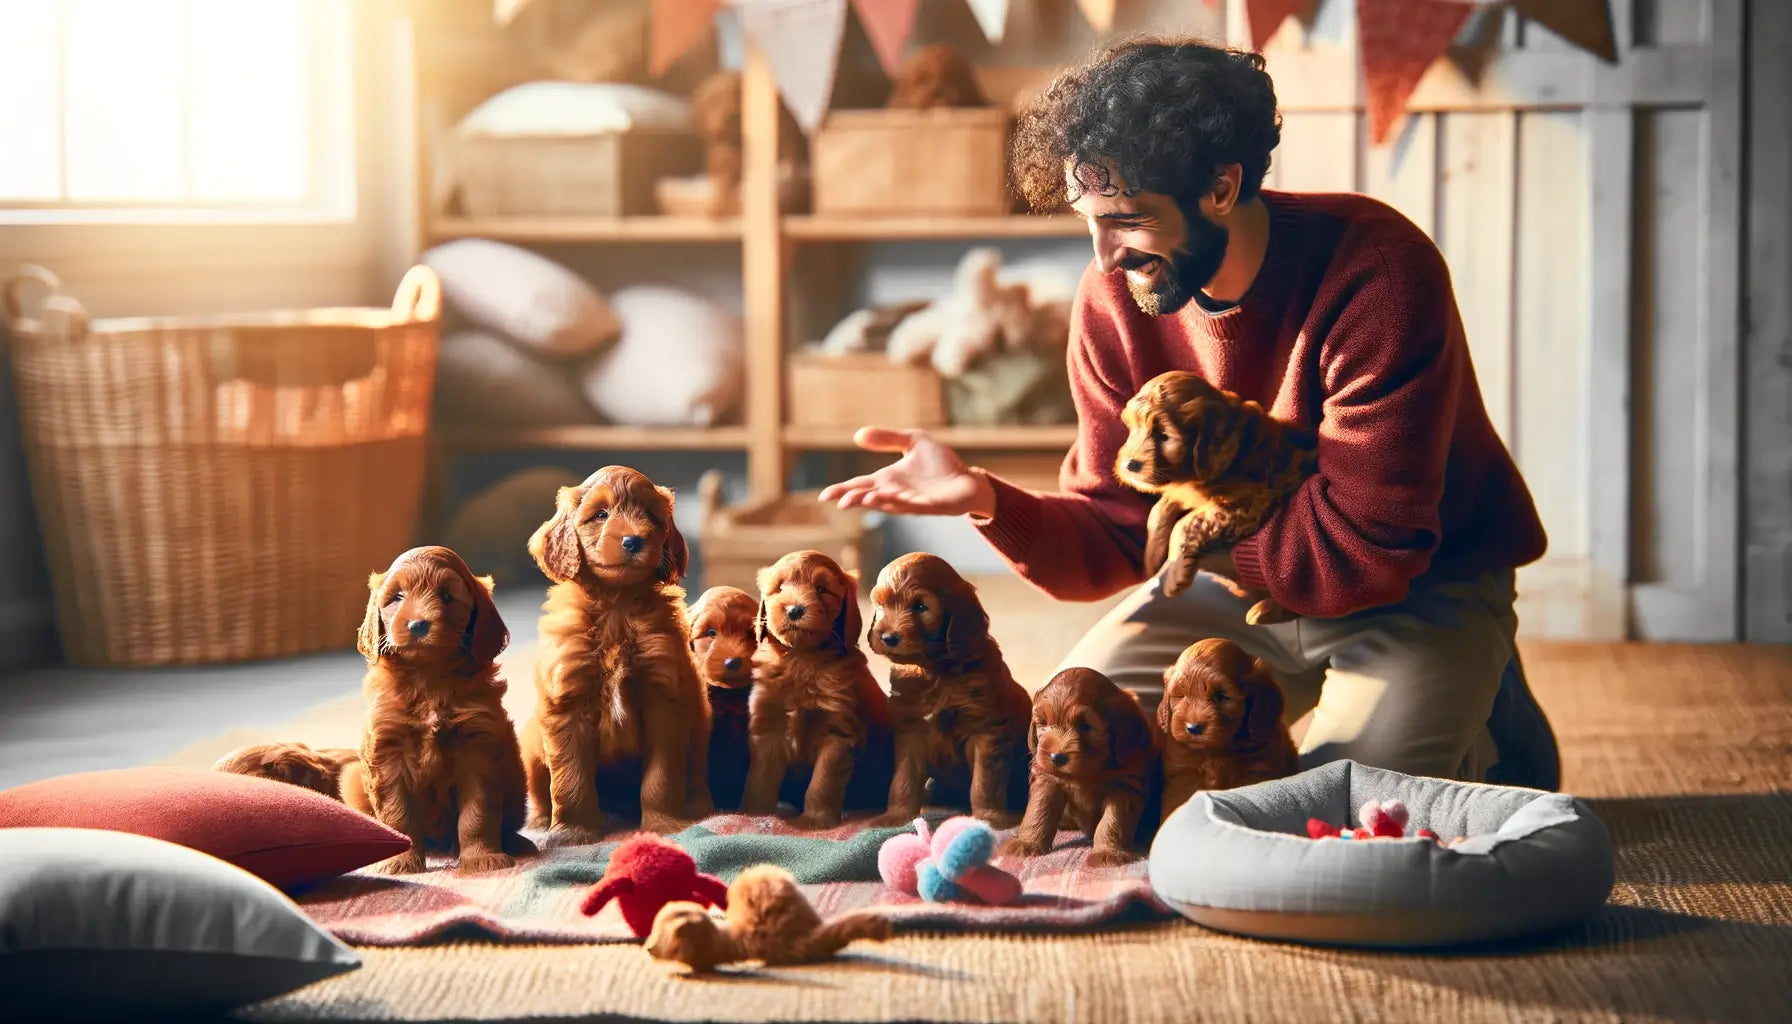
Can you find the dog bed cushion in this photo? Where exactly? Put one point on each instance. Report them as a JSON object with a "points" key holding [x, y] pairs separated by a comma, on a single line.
{"points": [[108, 925], [1240, 861]]}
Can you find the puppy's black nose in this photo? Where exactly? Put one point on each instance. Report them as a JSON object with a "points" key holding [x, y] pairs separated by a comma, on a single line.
{"points": [[418, 627], [1134, 465], [730, 663], [631, 544], [892, 639], [794, 612], [1195, 728], [1060, 760]]}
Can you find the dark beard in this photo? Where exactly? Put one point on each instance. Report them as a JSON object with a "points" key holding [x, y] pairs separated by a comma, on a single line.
{"points": [[1190, 268]]}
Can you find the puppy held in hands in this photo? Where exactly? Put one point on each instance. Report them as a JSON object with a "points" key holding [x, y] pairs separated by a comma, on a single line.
{"points": [[723, 642], [1095, 757], [438, 758], [816, 709], [1221, 716], [1219, 466], [959, 718], [616, 688]]}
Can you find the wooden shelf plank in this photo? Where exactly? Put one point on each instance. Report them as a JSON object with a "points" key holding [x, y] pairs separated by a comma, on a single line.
{"points": [[1038, 439], [847, 229], [595, 438], [588, 229]]}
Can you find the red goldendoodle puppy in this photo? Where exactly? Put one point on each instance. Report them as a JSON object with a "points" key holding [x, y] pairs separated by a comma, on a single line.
{"points": [[1221, 716]]}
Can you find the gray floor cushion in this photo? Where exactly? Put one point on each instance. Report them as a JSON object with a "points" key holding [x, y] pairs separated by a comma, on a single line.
{"points": [[1240, 861]]}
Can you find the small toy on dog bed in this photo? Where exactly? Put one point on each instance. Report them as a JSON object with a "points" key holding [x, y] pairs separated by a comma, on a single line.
{"points": [[1379, 821], [645, 874], [950, 866], [767, 920]]}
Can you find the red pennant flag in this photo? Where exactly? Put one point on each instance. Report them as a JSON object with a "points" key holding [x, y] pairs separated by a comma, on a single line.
{"points": [[1397, 41], [1585, 23], [887, 23], [676, 27], [1265, 16]]}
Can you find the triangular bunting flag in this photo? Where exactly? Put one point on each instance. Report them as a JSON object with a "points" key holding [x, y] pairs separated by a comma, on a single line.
{"points": [[1100, 14], [801, 42], [1585, 23], [992, 18], [887, 24], [1265, 16], [677, 26], [1398, 40]]}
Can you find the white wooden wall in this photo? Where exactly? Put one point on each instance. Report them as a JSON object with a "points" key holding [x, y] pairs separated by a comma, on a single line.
{"points": [[1590, 215]]}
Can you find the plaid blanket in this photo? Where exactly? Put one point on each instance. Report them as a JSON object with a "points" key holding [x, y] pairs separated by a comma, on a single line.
{"points": [[538, 900]]}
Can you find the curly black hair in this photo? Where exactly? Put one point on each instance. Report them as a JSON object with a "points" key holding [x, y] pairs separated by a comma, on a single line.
{"points": [[1169, 114]]}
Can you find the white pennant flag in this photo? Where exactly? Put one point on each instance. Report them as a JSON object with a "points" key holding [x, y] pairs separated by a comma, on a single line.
{"points": [[801, 42], [992, 17]]}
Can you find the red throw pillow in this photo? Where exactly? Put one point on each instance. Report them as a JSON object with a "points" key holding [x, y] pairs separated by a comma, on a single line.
{"points": [[288, 835]]}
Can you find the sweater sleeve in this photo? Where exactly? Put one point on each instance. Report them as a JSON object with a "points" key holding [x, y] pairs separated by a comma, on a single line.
{"points": [[1357, 532], [1087, 541]]}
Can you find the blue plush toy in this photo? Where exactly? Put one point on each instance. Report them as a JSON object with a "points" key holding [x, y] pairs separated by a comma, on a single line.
{"points": [[951, 865]]}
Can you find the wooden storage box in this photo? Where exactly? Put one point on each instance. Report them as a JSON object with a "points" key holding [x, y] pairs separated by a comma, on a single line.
{"points": [[912, 163], [609, 175], [740, 540], [859, 389]]}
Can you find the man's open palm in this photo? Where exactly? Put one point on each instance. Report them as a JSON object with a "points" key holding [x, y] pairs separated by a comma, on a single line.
{"points": [[928, 480]]}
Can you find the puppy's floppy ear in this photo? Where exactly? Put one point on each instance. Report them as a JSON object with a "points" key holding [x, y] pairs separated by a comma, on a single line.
{"points": [[487, 636], [1263, 705], [1129, 734], [555, 544], [675, 556], [1211, 427], [1166, 704], [850, 622], [373, 628], [966, 623]]}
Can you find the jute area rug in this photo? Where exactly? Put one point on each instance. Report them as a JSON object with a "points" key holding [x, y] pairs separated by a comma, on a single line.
{"points": [[1687, 752]]}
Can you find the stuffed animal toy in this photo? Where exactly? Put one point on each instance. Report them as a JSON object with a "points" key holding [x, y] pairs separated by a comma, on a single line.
{"points": [[950, 866], [645, 874], [767, 920], [1379, 821], [982, 314], [936, 76]]}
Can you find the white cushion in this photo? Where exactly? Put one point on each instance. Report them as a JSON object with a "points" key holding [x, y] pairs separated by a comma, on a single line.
{"points": [[96, 924], [679, 361], [524, 296], [1239, 860], [576, 108], [481, 378]]}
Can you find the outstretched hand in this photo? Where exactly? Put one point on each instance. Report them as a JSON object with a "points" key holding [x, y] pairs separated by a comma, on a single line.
{"points": [[928, 480]]}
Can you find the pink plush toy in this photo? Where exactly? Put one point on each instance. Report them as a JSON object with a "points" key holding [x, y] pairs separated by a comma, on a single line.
{"points": [[951, 865]]}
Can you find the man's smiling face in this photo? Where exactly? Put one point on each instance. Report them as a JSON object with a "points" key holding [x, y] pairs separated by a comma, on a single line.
{"points": [[1167, 254]]}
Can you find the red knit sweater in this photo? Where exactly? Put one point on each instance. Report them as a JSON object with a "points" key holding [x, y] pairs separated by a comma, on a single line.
{"points": [[1350, 328]]}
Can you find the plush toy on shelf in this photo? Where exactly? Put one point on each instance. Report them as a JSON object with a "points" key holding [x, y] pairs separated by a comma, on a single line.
{"points": [[950, 866], [1380, 820], [645, 874], [767, 920]]}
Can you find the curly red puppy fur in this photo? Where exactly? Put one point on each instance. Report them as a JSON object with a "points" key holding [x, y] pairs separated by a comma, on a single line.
{"points": [[1095, 756], [438, 758], [1219, 466], [723, 642], [1221, 717], [959, 718], [615, 684], [292, 763], [816, 709]]}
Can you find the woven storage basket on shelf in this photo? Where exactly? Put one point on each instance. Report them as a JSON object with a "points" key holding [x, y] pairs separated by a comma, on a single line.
{"points": [[218, 489]]}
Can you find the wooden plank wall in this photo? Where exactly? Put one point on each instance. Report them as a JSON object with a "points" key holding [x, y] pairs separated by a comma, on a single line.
{"points": [[1590, 215]]}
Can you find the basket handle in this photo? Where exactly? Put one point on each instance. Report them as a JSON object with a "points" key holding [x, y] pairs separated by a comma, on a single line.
{"points": [[57, 313], [419, 296]]}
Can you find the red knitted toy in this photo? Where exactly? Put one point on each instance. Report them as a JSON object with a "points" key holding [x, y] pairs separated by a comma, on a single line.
{"points": [[1379, 821], [646, 873]]}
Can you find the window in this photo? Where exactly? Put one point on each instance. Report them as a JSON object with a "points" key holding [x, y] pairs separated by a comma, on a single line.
{"points": [[176, 110]]}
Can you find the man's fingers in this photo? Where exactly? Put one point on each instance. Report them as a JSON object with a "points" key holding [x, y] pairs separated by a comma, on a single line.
{"points": [[884, 439], [832, 492]]}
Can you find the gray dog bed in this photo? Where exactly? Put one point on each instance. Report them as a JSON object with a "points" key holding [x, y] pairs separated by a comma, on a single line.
{"points": [[1240, 861]]}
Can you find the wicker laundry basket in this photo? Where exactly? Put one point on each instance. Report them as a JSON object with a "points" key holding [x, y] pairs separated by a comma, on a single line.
{"points": [[218, 489]]}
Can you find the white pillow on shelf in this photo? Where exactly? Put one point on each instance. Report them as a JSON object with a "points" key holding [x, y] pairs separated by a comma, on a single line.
{"points": [[524, 296], [481, 378], [576, 108], [679, 361]]}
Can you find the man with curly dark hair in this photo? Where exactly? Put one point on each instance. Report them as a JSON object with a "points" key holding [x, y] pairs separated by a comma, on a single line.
{"points": [[1334, 312]]}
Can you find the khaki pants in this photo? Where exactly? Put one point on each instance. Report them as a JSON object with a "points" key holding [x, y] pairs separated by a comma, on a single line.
{"points": [[1407, 687]]}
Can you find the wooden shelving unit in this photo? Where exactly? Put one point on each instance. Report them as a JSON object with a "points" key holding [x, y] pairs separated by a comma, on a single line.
{"points": [[765, 236]]}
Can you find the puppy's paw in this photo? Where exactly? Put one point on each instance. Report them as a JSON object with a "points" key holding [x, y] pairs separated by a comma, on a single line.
{"points": [[475, 861], [572, 835], [815, 821], [1022, 847], [1268, 612], [701, 808], [997, 819], [1177, 576], [893, 819], [664, 824], [1104, 857], [408, 863], [538, 822]]}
